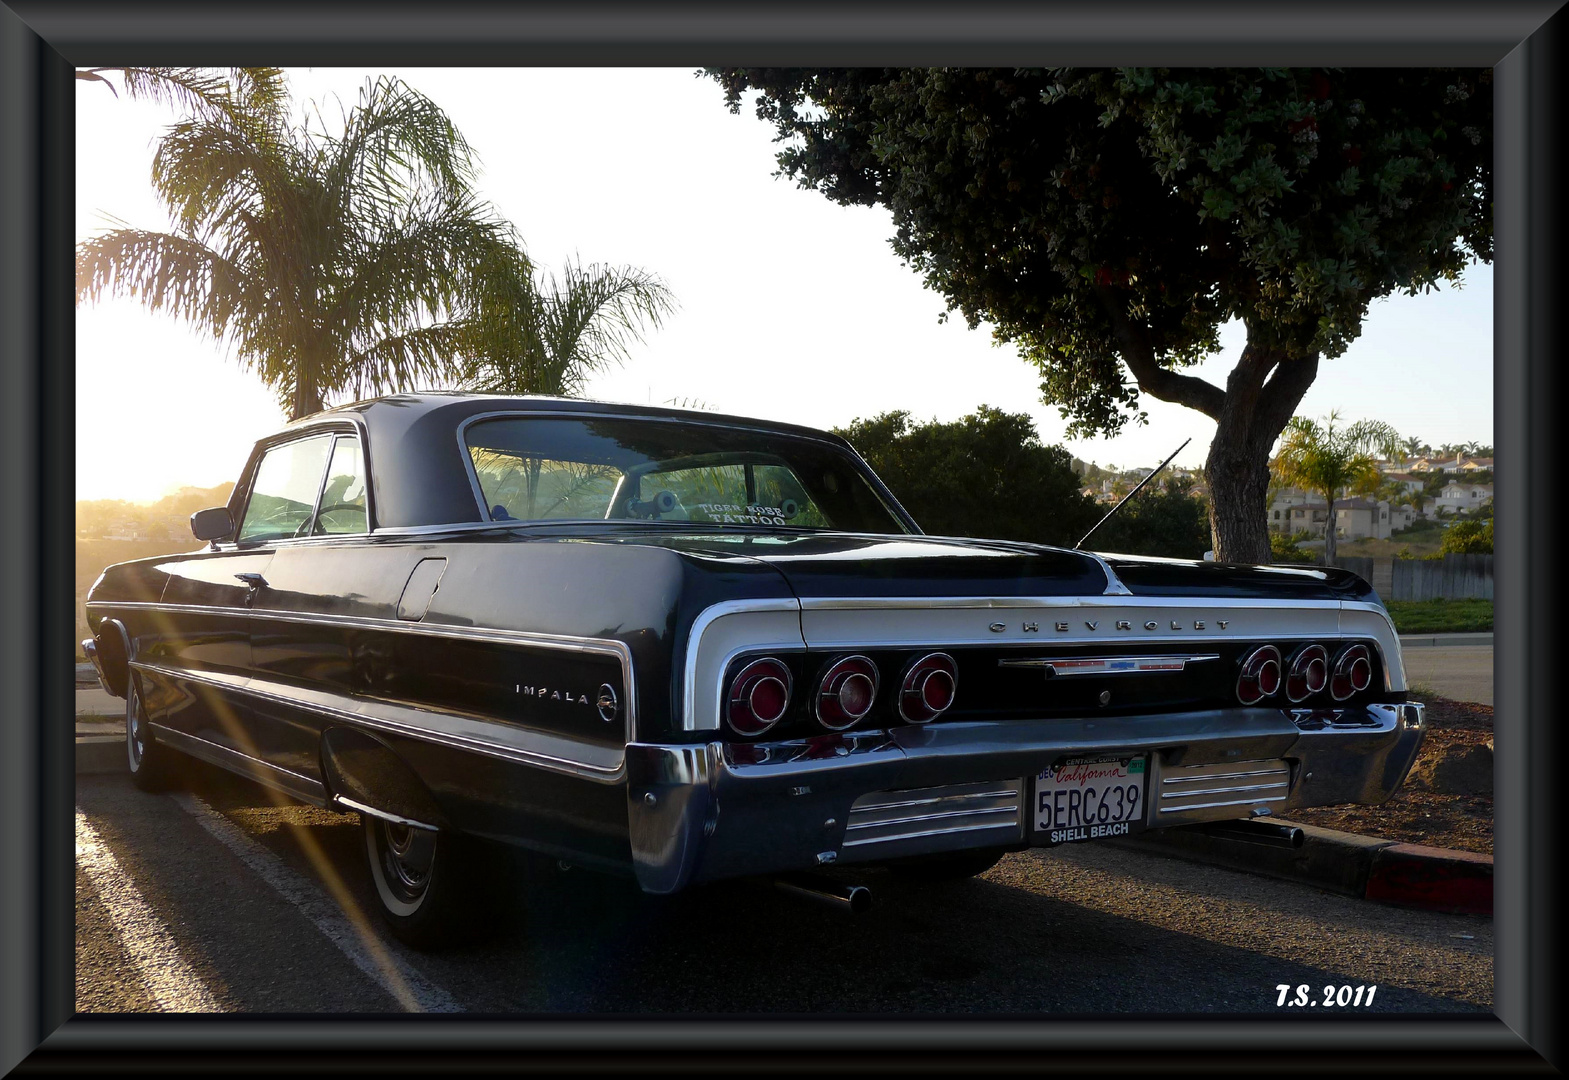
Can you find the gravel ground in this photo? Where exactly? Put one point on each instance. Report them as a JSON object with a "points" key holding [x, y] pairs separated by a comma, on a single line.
{"points": [[1463, 821]]}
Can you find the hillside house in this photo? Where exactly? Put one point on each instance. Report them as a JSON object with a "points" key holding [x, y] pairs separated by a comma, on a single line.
{"points": [[1459, 496], [1355, 519]]}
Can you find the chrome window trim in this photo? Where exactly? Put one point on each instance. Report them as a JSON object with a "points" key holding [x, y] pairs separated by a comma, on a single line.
{"points": [[1114, 585], [516, 751], [327, 424], [879, 489]]}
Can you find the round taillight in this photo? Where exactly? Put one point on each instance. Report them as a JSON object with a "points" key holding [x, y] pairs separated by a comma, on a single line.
{"points": [[846, 692], [759, 696], [1260, 675], [1353, 672], [928, 688], [1309, 672]]}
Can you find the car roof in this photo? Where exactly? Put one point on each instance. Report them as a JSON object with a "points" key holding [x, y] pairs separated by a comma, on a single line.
{"points": [[417, 465]]}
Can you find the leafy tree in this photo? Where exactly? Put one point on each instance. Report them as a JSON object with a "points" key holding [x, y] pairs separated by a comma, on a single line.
{"points": [[544, 335], [1108, 222], [986, 475], [1326, 460], [326, 260], [1472, 537], [1163, 519], [1285, 549]]}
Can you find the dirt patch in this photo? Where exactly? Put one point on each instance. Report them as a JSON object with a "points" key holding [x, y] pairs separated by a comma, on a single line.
{"points": [[1447, 800]]}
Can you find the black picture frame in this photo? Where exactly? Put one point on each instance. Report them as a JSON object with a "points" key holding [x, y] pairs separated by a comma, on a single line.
{"points": [[42, 40]]}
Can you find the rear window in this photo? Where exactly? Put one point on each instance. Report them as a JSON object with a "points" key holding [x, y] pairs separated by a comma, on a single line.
{"points": [[619, 468]]}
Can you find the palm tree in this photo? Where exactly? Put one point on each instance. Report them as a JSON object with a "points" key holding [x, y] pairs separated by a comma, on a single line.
{"points": [[1319, 458], [537, 334], [198, 91], [326, 261]]}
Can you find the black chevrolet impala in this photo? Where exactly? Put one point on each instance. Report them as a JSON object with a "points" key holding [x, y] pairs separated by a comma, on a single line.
{"points": [[683, 646]]}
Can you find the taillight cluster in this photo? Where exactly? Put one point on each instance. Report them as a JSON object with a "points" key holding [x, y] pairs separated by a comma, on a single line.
{"points": [[845, 692], [1308, 672]]}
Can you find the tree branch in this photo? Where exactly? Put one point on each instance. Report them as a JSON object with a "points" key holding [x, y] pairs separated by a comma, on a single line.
{"points": [[1167, 385], [1280, 396]]}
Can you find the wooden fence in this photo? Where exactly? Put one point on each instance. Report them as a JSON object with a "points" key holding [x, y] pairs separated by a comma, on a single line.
{"points": [[1452, 577]]}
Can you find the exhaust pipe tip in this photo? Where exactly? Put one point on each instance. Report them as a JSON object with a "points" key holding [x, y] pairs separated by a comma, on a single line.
{"points": [[854, 899], [1268, 833]]}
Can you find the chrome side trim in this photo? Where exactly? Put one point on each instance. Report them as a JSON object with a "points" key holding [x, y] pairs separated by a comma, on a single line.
{"points": [[893, 817], [1109, 665], [829, 603], [601, 646], [1237, 783], [1381, 628], [694, 715], [352, 804], [301, 787], [518, 745]]}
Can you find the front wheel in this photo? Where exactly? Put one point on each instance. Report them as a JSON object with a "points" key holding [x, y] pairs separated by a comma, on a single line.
{"points": [[428, 883], [152, 766]]}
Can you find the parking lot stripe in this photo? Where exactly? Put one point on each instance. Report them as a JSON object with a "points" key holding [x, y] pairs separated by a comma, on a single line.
{"points": [[364, 949], [147, 941]]}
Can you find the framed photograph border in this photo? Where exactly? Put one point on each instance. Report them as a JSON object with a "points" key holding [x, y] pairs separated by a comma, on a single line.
{"points": [[41, 42]]}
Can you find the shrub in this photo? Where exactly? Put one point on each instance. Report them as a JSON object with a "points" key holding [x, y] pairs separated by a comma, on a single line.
{"points": [[1468, 538]]}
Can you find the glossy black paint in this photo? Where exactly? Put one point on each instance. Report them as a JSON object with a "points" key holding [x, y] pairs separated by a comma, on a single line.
{"points": [[1179, 577], [275, 666]]}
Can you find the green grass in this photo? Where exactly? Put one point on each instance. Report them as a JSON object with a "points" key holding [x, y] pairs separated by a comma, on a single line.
{"points": [[1441, 616]]}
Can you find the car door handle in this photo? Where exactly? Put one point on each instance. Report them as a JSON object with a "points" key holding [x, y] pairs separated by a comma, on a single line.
{"points": [[253, 581]]}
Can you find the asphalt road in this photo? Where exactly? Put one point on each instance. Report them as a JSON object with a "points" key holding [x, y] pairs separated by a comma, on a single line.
{"points": [[1457, 672], [214, 899]]}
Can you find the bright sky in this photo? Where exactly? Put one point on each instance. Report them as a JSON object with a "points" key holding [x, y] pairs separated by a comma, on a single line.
{"points": [[791, 307]]}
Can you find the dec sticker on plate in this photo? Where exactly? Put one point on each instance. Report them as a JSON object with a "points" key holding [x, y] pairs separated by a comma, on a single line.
{"points": [[1090, 798]]}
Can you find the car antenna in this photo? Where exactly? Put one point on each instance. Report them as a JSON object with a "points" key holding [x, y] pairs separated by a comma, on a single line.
{"points": [[1130, 494]]}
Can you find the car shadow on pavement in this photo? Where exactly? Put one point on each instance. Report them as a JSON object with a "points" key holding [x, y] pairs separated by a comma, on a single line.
{"points": [[575, 941]]}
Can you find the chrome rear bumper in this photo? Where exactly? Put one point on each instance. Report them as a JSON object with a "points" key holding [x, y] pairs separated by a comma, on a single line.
{"points": [[699, 812]]}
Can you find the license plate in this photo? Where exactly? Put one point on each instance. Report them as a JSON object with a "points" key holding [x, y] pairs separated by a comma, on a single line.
{"points": [[1090, 798]]}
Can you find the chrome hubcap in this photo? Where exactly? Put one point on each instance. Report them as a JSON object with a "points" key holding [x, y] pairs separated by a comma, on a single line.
{"points": [[135, 737], [406, 858]]}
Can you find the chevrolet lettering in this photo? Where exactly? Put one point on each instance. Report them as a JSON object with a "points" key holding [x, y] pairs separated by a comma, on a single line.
{"points": [[683, 647]]}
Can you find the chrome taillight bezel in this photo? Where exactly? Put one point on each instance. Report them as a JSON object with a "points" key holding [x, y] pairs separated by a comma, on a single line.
{"points": [[1354, 665], [829, 706], [1310, 660], [913, 705], [740, 710], [1252, 676]]}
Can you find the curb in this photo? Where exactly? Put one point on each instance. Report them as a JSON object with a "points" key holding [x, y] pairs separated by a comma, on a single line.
{"points": [[100, 754], [1408, 641], [1365, 867]]}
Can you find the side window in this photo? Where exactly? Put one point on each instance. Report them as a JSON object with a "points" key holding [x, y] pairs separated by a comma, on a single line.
{"points": [[342, 508], [283, 495]]}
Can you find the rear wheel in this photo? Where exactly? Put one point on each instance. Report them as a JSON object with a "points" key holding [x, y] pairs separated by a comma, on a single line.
{"points": [[430, 884], [951, 867], [152, 766]]}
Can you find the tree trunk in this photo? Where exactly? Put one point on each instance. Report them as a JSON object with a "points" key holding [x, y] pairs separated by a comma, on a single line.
{"points": [[1329, 531], [1262, 392], [307, 398], [1254, 413]]}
